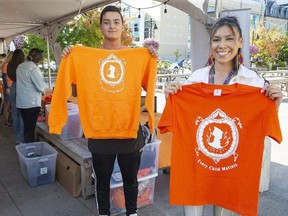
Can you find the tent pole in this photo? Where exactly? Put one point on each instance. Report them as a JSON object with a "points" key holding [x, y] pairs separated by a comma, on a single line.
{"points": [[218, 9], [48, 58], [3, 47]]}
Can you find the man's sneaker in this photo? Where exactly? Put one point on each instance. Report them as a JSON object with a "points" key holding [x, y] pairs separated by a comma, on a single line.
{"points": [[7, 125]]}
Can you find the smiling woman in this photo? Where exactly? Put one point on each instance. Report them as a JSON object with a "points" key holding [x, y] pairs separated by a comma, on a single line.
{"points": [[224, 67]]}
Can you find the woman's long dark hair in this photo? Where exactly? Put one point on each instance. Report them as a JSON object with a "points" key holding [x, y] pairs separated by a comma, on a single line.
{"points": [[17, 58]]}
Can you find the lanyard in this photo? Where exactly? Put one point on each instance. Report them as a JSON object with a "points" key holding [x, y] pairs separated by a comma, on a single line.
{"points": [[212, 74]]}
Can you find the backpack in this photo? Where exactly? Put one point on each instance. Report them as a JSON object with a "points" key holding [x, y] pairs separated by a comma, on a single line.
{"points": [[148, 138]]}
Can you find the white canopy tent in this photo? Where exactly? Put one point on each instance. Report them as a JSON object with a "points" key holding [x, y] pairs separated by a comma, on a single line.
{"points": [[46, 18], [41, 17], [27, 16]]}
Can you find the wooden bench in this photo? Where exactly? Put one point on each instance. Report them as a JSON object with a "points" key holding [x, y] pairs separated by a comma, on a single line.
{"points": [[76, 149], [160, 87], [274, 73], [171, 77]]}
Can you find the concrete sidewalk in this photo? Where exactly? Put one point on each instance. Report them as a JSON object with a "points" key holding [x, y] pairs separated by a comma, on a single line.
{"points": [[17, 198]]}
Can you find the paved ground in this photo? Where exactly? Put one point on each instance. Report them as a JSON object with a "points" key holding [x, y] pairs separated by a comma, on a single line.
{"points": [[17, 198]]}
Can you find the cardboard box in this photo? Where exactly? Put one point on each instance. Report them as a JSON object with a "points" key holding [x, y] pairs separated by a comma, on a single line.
{"points": [[142, 104], [68, 174]]}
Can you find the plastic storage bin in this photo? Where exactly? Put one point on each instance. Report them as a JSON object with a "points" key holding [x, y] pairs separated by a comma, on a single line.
{"points": [[145, 197], [72, 128], [148, 165], [37, 162]]}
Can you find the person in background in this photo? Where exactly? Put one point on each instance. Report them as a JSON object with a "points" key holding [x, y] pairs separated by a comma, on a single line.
{"points": [[225, 66], [2, 57], [29, 88], [6, 90], [127, 150], [18, 125]]}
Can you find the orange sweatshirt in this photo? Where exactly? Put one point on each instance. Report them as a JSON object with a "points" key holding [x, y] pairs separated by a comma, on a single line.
{"points": [[109, 84]]}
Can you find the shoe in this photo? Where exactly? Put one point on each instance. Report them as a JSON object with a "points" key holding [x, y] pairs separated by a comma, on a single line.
{"points": [[7, 125]]}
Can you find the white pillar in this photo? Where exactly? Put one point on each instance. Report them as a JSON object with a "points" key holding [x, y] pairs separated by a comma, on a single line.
{"points": [[265, 172]]}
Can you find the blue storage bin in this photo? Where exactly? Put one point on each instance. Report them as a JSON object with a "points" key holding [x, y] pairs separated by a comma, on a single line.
{"points": [[37, 162]]}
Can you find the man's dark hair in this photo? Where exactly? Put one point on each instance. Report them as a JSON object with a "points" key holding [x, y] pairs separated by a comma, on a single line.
{"points": [[110, 8]]}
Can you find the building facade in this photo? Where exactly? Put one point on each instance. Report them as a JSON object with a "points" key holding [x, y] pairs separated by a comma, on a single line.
{"points": [[171, 27], [276, 14]]}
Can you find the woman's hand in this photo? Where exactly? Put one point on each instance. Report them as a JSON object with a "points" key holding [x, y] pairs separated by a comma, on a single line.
{"points": [[153, 52], [274, 93], [66, 51], [172, 88], [7, 91]]}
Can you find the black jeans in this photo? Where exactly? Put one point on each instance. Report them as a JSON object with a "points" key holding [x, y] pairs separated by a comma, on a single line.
{"points": [[29, 117], [129, 166]]}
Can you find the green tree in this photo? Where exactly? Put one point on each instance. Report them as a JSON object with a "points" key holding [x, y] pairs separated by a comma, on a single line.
{"points": [[34, 41], [177, 55], [268, 43], [283, 51], [84, 29]]}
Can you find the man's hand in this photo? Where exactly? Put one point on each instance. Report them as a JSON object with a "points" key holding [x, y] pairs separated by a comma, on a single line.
{"points": [[153, 51], [66, 51]]}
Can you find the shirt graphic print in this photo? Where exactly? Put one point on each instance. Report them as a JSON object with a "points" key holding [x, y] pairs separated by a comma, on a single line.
{"points": [[218, 137], [112, 72]]}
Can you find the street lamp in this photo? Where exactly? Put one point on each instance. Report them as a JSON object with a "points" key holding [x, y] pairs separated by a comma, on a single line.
{"points": [[150, 27], [253, 37]]}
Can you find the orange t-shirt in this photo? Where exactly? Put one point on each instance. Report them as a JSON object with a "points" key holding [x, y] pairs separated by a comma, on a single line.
{"points": [[4, 70], [109, 85], [218, 144]]}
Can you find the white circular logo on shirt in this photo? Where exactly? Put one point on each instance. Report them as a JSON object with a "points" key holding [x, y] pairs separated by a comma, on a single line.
{"points": [[112, 73], [217, 136]]}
